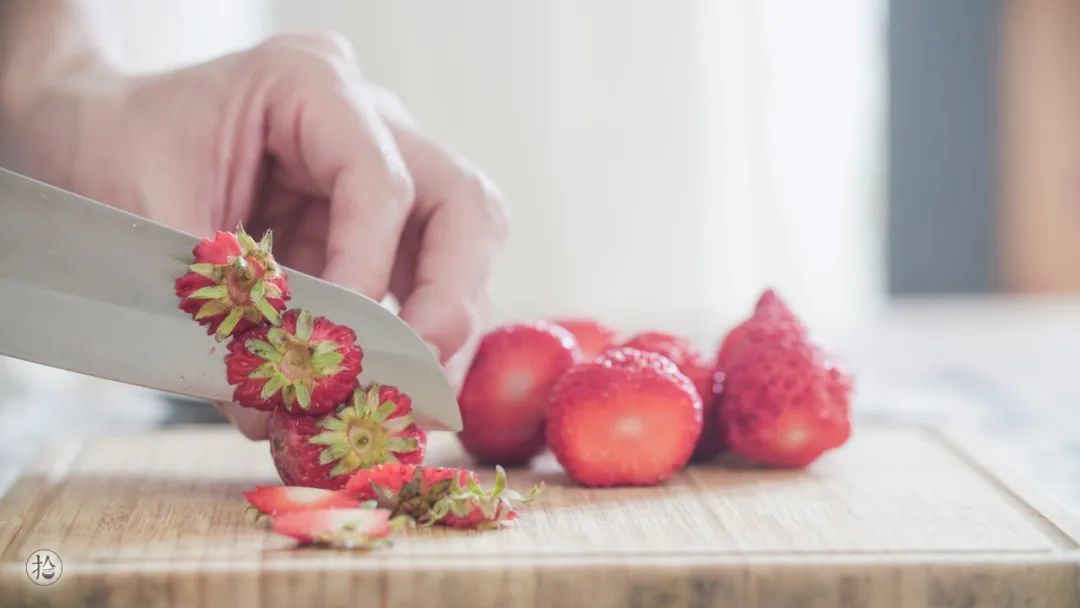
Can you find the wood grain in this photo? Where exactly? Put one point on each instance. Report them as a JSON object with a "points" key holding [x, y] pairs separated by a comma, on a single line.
{"points": [[896, 518]]}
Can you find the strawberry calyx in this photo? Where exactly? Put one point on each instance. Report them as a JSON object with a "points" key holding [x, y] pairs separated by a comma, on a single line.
{"points": [[294, 363], [451, 497], [468, 504], [243, 279], [364, 432]]}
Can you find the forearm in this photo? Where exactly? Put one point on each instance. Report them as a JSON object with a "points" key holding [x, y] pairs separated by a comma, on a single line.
{"points": [[48, 48]]}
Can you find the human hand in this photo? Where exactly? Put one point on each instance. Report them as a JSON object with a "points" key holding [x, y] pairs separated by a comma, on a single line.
{"points": [[287, 136]]}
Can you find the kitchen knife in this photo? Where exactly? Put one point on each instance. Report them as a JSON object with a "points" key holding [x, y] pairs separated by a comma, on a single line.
{"points": [[89, 288]]}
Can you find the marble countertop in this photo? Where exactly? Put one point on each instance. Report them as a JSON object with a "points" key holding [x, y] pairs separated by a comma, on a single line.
{"points": [[1003, 368]]}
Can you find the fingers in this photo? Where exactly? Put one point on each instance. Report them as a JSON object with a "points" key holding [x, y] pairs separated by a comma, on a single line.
{"points": [[252, 423], [322, 125], [464, 226]]}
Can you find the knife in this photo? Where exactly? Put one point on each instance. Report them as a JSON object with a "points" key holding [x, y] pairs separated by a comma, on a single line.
{"points": [[89, 288]]}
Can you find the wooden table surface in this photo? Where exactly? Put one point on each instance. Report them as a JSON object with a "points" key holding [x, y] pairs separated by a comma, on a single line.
{"points": [[898, 517]]}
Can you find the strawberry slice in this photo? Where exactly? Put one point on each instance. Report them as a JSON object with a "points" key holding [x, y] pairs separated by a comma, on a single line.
{"points": [[275, 500], [593, 337], [345, 528], [627, 418], [506, 391]]}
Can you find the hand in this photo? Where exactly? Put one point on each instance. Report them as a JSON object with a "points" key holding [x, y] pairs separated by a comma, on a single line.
{"points": [[288, 136]]}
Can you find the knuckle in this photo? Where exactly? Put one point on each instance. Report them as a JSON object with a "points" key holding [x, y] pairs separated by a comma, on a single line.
{"points": [[306, 57], [486, 196]]}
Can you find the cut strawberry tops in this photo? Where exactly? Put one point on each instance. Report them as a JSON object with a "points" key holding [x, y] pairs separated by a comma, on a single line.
{"points": [[309, 364], [235, 284]]}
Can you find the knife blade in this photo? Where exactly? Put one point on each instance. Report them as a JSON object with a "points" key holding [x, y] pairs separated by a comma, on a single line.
{"points": [[89, 288]]}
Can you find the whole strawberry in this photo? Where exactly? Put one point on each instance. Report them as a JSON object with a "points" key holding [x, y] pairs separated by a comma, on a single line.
{"points": [[234, 284], [626, 418], [308, 365], [772, 318], [593, 337], [439, 495], [375, 426], [784, 401], [506, 390], [692, 363]]}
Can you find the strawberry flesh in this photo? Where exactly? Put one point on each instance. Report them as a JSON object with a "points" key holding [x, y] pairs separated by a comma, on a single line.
{"points": [[275, 500], [692, 363], [345, 528], [627, 418]]}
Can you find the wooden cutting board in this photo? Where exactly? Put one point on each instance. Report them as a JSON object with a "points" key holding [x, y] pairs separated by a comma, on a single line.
{"points": [[898, 517]]}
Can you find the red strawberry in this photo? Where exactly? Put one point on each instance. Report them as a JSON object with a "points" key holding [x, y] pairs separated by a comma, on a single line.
{"points": [[275, 500], [593, 337], [693, 365], [784, 401], [234, 284], [306, 365], [626, 418], [506, 390], [345, 528], [771, 318], [438, 495], [376, 426]]}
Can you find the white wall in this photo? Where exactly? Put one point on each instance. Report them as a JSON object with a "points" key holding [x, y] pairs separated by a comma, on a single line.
{"points": [[663, 161]]}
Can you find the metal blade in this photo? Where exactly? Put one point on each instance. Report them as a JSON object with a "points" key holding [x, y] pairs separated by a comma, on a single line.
{"points": [[89, 288]]}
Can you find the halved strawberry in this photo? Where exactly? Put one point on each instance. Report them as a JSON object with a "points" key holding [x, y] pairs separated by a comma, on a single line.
{"points": [[627, 418], [275, 500], [234, 284], [374, 427], [692, 363], [345, 528], [506, 390], [593, 337], [309, 364]]}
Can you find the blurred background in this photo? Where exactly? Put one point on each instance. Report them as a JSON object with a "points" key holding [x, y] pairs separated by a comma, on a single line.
{"points": [[907, 173]]}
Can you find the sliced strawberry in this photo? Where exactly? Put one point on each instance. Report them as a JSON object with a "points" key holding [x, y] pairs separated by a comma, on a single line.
{"points": [[506, 390], [627, 418], [309, 364], [345, 528], [234, 284], [275, 500], [593, 337]]}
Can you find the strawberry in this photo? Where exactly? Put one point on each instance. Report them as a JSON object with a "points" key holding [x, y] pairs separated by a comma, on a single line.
{"points": [[771, 317], [439, 495], [784, 400], [234, 284], [506, 390], [306, 365], [693, 365], [376, 426], [275, 500], [344, 528], [593, 337], [626, 418]]}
